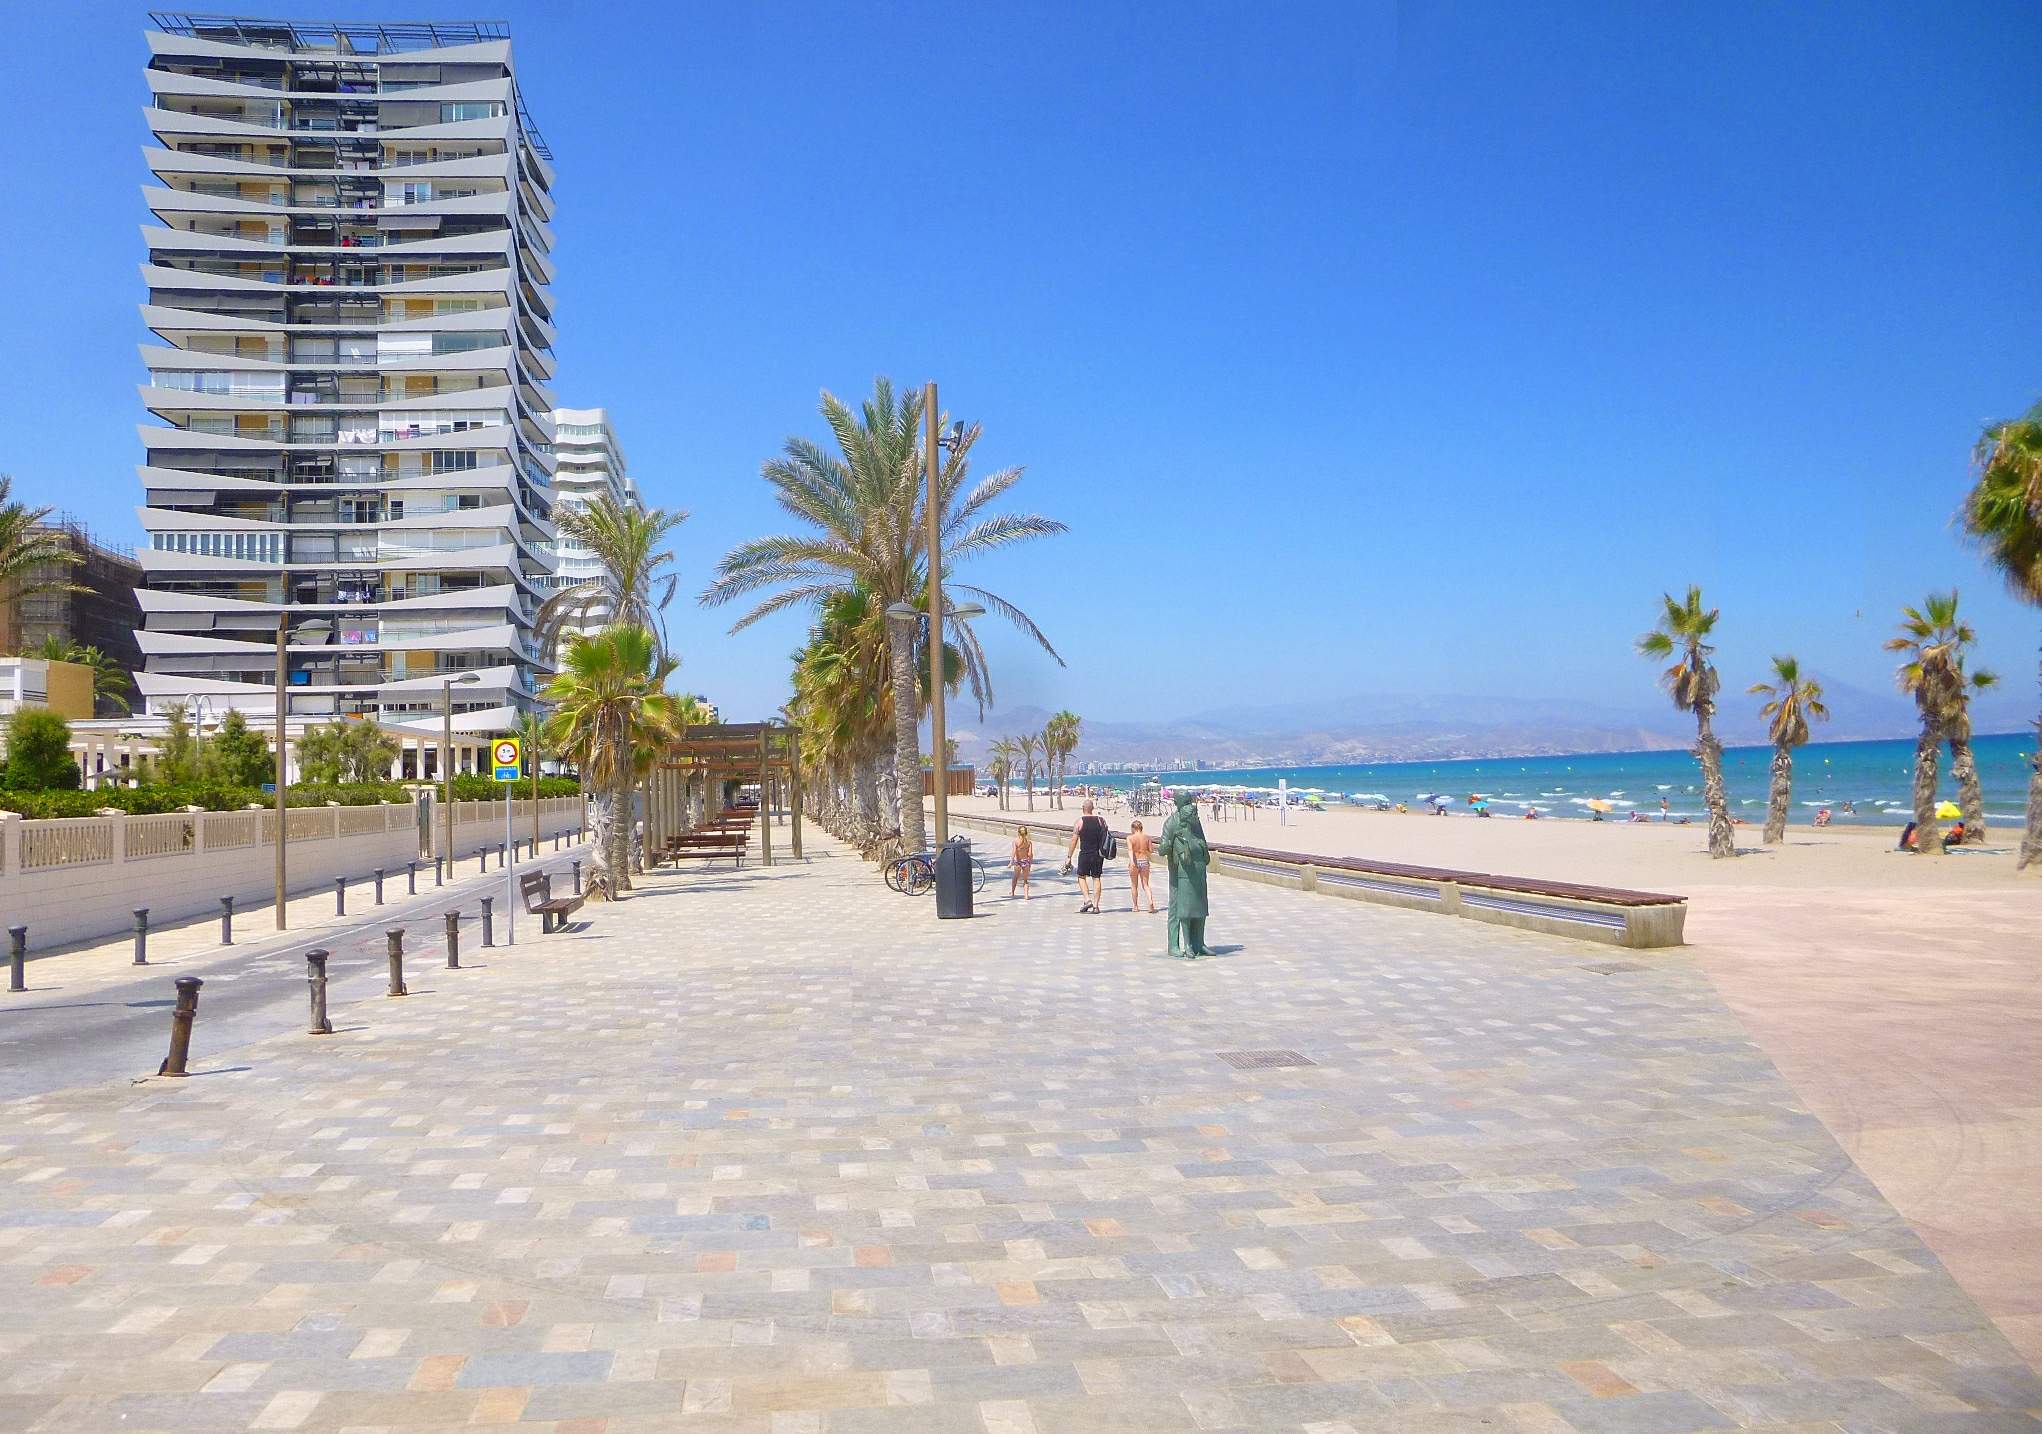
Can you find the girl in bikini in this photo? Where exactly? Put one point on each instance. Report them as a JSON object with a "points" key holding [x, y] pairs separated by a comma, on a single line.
{"points": [[1024, 858], [1140, 849]]}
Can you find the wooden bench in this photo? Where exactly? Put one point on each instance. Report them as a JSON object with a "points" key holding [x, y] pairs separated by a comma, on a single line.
{"points": [[551, 910], [707, 846]]}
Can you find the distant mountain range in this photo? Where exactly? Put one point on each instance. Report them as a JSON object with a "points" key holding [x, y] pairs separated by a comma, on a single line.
{"points": [[1386, 727]]}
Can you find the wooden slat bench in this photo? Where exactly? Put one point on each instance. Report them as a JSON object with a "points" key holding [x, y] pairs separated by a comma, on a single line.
{"points": [[552, 911]]}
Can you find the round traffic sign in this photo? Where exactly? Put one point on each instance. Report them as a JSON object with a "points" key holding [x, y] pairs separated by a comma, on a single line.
{"points": [[506, 753]]}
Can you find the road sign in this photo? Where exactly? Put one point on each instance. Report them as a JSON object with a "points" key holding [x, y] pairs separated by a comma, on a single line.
{"points": [[507, 756]]}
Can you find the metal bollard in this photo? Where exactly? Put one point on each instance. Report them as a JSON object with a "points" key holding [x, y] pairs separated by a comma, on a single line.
{"points": [[486, 928], [501, 853], [453, 940], [394, 940], [576, 864], [379, 886], [411, 878], [226, 921], [340, 896], [17, 958], [439, 871], [482, 859], [141, 936], [180, 1025], [315, 978]]}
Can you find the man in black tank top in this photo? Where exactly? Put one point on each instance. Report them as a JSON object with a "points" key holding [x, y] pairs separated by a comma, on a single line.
{"points": [[1088, 849]]}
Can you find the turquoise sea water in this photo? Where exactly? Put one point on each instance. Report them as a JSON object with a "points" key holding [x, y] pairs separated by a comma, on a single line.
{"points": [[1874, 777]]}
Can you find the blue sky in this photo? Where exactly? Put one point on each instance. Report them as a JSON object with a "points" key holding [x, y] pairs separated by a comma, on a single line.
{"points": [[1363, 347]]}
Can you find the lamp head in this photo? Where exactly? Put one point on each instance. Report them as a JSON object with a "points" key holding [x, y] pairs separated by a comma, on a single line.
{"points": [[967, 611], [953, 437], [902, 612]]}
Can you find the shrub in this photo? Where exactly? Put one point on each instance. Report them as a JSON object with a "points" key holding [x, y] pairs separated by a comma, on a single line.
{"points": [[171, 796], [39, 751]]}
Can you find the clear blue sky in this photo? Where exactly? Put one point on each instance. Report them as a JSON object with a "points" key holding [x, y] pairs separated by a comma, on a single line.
{"points": [[1412, 348]]}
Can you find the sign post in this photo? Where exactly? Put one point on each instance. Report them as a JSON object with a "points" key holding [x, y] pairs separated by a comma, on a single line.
{"points": [[507, 765]]}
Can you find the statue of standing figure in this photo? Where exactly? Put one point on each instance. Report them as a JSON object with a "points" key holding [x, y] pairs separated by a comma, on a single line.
{"points": [[1183, 847]]}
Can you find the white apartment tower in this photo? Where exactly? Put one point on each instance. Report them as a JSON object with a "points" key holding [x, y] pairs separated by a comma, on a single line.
{"points": [[348, 281], [589, 464]]}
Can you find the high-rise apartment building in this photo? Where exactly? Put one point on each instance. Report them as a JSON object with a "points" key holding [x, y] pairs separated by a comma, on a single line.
{"points": [[589, 464], [348, 283]]}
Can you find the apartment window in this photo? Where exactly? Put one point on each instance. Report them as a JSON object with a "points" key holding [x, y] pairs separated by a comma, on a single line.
{"points": [[471, 110], [248, 547], [453, 461]]}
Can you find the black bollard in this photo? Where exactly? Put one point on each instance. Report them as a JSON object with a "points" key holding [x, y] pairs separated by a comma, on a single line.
{"points": [[482, 859], [394, 940], [141, 936], [340, 896], [486, 928], [379, 886], [439, 871], [411, 878], [501, 855], [226, 921], [453, 940], [180, 1025], [17, 958], [315, 978], [576, 864]]}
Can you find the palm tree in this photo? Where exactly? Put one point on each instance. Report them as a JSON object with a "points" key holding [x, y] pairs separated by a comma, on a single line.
{"points": [[861, 512], [843, 706], [1028, 746], [32, 557], [1000, 757], [1683, 635], [609, 704], [1796, 702], [110, 682], [1963, 764], [1932, 641], [633, 591], [2003, 515], [1060, 740]]}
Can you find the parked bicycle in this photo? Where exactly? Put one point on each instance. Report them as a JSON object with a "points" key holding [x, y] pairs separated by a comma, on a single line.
{"points": [[915, 873]]}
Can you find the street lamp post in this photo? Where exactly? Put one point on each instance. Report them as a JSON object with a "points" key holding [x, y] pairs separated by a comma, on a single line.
{"points": [[939, 761], [447, 764]]}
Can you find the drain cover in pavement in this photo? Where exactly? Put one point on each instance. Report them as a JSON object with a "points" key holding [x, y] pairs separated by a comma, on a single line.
{"points": [[1262, 1060]]}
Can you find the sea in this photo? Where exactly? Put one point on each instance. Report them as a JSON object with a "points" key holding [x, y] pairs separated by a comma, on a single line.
{"points": [[1864, 782]]}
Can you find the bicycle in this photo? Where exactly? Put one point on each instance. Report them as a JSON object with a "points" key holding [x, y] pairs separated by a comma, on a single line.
{"points": [[916, 873]]}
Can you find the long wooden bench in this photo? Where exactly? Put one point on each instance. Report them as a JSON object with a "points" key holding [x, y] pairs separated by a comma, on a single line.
{"points": [[707, 846], [552, 911], [1639, 919]]}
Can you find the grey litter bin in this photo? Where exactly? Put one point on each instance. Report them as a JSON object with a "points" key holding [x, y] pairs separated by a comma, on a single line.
{"points": [[953, 879]]}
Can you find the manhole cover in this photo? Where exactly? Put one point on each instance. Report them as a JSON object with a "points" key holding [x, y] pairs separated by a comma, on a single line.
{"points": [[1262, 1060], [1612, 968]]}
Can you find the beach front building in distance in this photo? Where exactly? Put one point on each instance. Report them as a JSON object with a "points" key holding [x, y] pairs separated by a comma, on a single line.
{"points": [[348, 275], [97, 609], [589, 464]]}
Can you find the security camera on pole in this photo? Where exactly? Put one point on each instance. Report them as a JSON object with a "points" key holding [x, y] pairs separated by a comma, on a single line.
{"points": [[507, 765]]}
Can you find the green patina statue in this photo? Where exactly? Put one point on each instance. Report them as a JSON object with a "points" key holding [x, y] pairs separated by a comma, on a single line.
{"points": [[1183, 846]]}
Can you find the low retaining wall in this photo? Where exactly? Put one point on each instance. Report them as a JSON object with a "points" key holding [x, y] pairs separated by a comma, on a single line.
{"points": [[1638, 919], [80, 878], [480, 824]]}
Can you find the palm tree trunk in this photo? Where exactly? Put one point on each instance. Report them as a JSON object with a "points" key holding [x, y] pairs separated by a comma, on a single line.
{"points": [[1964, 767], [1782, 793], [2031, 840], [620, 829], [1722, 841], [1028, 775], [1926, 761], [601, 819], [907, 754], [865, 780]]}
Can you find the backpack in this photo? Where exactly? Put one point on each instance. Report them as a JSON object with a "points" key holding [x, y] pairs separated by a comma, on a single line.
{"points": [[1109, 848]]}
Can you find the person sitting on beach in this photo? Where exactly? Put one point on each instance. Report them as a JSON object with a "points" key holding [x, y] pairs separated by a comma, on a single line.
{"points": [[1141, 848], [1909, 837], [1954, 836], [1024, 861], [1531, 814], [1822, 816], [1404, 810], [1635, 819]]}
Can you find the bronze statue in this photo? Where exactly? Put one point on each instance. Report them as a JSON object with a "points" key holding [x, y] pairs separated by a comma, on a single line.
{"points": [[1183, 846]]}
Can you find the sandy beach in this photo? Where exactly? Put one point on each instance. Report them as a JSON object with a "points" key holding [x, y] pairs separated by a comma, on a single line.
{"points": [[1900, 995]]}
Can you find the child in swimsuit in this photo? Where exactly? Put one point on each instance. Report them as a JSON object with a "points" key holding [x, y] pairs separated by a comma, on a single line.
{"points": [[1024, 858], [1140, 849]]}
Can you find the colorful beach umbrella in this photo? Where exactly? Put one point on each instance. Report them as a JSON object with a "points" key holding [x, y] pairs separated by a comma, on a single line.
{"points": [[1599, 805], [1947, 811]]}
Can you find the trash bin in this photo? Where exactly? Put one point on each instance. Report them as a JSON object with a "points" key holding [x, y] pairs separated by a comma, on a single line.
{"points": [[953, 879]]}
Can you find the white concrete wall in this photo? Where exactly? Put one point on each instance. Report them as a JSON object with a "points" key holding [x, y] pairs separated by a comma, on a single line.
{"points": [[120, 862]]}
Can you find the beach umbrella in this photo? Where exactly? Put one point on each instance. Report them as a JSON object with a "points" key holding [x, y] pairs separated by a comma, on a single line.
{"points": [[1599, 805], [1947, 811]]}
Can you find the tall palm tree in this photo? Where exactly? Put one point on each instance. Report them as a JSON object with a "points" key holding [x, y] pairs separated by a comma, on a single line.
{"points": [[635, 588], [1795, 702], [609, 704], [1683, 635], [2003, 515], [861, 511], [1963, 764], [1060, 740], [1000, 757], [1932, 642], [843, 707], [1029, 747]]}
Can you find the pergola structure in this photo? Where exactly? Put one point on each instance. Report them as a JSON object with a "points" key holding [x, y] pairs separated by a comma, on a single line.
{"points": [[768, 753]]}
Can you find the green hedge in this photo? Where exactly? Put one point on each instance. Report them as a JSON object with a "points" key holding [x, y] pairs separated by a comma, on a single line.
{"points": [[469, 787], [170, 797]]}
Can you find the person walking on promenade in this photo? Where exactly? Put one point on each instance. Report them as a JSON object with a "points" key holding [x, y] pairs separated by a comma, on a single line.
{"points": [[1088, 850], [1022, 862], [1141, 848]]}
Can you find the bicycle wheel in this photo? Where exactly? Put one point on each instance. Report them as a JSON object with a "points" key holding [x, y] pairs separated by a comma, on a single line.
{"points": [[980, 867], [917, 874], [892, 871]]}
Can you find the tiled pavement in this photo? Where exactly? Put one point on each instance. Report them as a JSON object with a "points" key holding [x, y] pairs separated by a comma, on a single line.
{"points": [[777, 1151]]}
